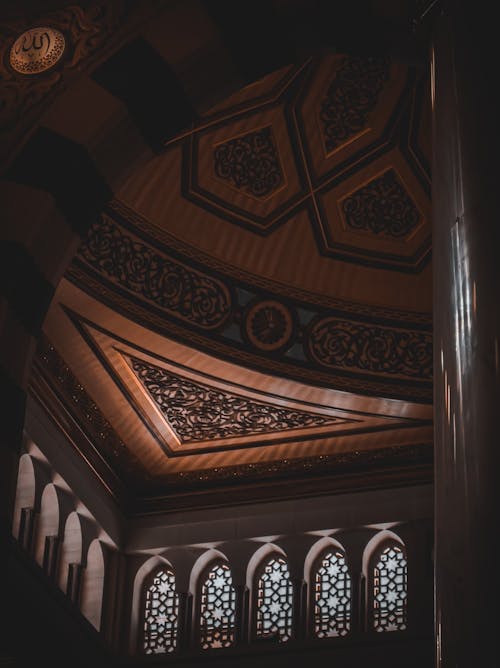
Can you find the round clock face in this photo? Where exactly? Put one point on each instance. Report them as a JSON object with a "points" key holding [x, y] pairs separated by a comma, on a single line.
{"points": [[37, 50], [269, 325]]}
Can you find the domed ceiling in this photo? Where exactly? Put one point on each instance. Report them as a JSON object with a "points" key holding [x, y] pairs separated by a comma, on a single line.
{"points": [[251, 314]]}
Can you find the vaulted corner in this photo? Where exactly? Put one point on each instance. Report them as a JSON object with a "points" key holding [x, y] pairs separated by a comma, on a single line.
{"points": [[218, 332]]}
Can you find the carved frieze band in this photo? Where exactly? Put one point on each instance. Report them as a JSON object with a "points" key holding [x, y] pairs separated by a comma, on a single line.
{"points": [[397, 457], [339, 344], [146, 282], [118, 212], [89, 415], [199, 412], [383, 207], [163, 282], [250, 163], [350, 98]]}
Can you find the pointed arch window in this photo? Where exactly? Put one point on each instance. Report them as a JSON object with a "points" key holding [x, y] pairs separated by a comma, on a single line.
{"points": [[274, 600], [390, 589], [217, 608], [161, 613], [332, 595]]}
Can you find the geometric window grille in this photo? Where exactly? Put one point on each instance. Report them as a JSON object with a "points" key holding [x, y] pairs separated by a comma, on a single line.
{"points": [[161, 614], [390, 577], [218, 608], [332, 596], [275, 601]]}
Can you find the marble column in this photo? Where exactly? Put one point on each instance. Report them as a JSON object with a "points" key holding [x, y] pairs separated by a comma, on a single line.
{"points": [[184, 633], [26, 528], [50, 555], [466, 270], [241, 617], [299, 608], [358, 603], [73, 588]]}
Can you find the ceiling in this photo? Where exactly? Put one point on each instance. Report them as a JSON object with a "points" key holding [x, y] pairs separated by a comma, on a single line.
{"points": [[251, 314]]}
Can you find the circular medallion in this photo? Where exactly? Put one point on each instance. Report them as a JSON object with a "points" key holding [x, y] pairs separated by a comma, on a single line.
{"points": [[37, 50], [269, 325]]}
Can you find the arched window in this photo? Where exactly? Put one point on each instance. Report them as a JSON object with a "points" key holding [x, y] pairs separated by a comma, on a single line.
{"points": [[332, 595], [23, 521], [217, 607], [274, 600], [389, 588], [161, 614]]}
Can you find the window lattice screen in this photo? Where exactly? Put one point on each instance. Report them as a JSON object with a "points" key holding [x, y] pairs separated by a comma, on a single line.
{"points": [[161, 615], [332, 596], [217, 612], [275, 600], [390, 590]]}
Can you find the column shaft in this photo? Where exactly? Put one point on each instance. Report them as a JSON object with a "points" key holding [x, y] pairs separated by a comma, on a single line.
{"points": [[299, 602], [184, 621], [241, 620], [466, 263]]}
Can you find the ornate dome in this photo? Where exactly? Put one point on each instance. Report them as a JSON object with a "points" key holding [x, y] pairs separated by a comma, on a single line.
{"points": [[250, 311]]}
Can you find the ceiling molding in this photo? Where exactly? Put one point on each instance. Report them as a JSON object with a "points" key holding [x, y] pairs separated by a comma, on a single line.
{"points": [[147, 282]]}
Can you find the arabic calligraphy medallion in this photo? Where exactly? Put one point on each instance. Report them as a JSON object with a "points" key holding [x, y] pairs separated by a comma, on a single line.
{"points": [[269, 325], [37, 50]]}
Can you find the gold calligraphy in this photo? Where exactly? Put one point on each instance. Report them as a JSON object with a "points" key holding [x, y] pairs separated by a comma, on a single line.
{"points": [[37, 50]]}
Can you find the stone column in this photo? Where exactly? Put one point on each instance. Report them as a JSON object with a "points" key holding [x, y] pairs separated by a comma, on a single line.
{"points": [[26, 528], [50, 555], [299, 604], [74, 582], [466, 264], [358, 603], [184, 633], [241, 618]]}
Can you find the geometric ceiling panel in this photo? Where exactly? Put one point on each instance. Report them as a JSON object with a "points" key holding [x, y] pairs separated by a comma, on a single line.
{"points": [[381, 215], [244, 169], [188, 412], [357, 79], [382, 207], [387, 452], [171, 413], [199, 412], [250, 163], [340, 119], [348, 111]]}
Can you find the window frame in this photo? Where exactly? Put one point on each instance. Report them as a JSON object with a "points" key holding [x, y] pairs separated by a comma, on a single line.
{"points": [[370, 594], [146, 585], [316, 565], [259, 572], [202, 579]]}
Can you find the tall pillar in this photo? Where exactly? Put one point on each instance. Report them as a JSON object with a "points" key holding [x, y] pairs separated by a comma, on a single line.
{"points": [[299, 608], [466, 265], [26, 528], [74, 582], [241, 617], [50, 555], [358, 603], [184, 633]]}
